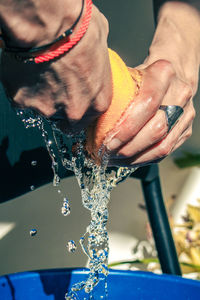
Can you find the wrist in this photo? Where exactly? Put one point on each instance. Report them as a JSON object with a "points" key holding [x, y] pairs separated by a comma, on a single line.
{"points": [[38, 23], [179, 23], [176, 39]]}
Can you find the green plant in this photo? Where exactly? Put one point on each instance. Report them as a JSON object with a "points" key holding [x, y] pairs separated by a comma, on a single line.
{"points": [[188, 160]]}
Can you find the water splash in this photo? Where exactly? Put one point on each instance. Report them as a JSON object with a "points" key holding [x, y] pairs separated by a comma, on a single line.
{"points": [[34, 163], [96, 183], [71, 246], [65, 209], [32, 187], [33, 232]]}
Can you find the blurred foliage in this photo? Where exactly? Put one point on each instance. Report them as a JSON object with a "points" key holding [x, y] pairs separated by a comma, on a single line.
{"points": [[188, 160], [187, 241]]}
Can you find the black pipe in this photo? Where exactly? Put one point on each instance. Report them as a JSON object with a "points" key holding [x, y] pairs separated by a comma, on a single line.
{"points": [[160, 226]]}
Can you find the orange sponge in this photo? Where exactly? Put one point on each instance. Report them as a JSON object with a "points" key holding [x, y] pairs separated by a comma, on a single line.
{"points": [[126, 83]]}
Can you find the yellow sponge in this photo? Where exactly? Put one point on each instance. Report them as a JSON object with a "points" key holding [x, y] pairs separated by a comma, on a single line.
{"points": [[126, 83]]}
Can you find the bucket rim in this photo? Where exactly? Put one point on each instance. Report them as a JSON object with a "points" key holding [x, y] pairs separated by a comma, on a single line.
{"points": [[113, 272]]}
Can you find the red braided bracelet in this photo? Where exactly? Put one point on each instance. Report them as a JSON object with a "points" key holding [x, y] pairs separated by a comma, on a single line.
{"points": [[62, 47], [39, 49]]}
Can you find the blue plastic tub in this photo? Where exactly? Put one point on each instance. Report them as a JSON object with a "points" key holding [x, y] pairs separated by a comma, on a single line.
{"points": [[123, 285]]}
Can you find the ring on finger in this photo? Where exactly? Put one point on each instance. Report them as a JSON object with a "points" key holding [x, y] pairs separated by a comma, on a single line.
{"points": [[172, 114]]}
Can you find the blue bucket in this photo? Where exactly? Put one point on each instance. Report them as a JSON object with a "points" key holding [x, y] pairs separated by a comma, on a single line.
{"points": [[122, 285]]}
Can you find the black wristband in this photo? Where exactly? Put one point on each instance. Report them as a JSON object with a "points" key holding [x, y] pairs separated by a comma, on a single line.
{"points": [[44, 47]]}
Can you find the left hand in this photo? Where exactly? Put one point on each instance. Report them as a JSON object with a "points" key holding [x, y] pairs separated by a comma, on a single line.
{"points": [[143, 136], [170, 77]]}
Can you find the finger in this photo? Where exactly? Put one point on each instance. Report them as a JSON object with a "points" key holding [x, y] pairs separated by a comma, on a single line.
{"points": [[101, 101], [179, 93], [78, 116], [76, 126], [154, 130], [95, 108], [156, 81], [165, 146], [92, 94], [157, 127], [186, 135]]}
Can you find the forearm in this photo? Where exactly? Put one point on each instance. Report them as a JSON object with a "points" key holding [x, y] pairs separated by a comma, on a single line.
{"points": [[157, 4], [177, 39], [28, 23]]}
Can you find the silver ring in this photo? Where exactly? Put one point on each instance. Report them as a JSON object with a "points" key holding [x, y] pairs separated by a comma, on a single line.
{"points": [[172, 113]]}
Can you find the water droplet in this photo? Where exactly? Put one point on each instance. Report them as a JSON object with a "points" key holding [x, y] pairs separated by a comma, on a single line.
{"points": [[71, 246], [33, 232], [65, 210], [32, 187], [34, 163], [20, 112], [54, 163], [49, 142], [64, 150], [56, 180], [59, 191]]}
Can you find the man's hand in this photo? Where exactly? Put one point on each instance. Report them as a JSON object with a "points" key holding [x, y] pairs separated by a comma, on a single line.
{"points": [[77, 85], [142, 137], [170, 77]]}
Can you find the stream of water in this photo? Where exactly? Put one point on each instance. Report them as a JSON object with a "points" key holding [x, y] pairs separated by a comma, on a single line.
{"points": [[96, 183]]}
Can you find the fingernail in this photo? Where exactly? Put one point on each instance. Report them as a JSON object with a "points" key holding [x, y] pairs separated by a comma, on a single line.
{"points": [[113, 144]]}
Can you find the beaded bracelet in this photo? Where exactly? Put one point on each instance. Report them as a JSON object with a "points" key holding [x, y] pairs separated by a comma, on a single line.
{"points": [[60, 46]]}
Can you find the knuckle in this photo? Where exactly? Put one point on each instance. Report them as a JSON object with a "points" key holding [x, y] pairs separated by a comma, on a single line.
{"points": [[44, 108], [193, 113], [106, 24], [21, 97], [192, 79], [101, 107], [102, 102], [166, 67], [164, 149], [100, 25], [152, 102], [159, 130], [46, 111], [186, 91], [17, 101], [188, 133], [194, 85], [75, 115]]}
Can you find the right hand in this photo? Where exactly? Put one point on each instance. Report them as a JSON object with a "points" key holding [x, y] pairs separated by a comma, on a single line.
{"points": [[78, 83]]}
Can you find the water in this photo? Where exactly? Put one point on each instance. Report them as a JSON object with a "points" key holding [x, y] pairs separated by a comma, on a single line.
{"points": [[32, 187], [34, 163], [33, 232], [65, 209], [96, 183], [71, 246]]}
